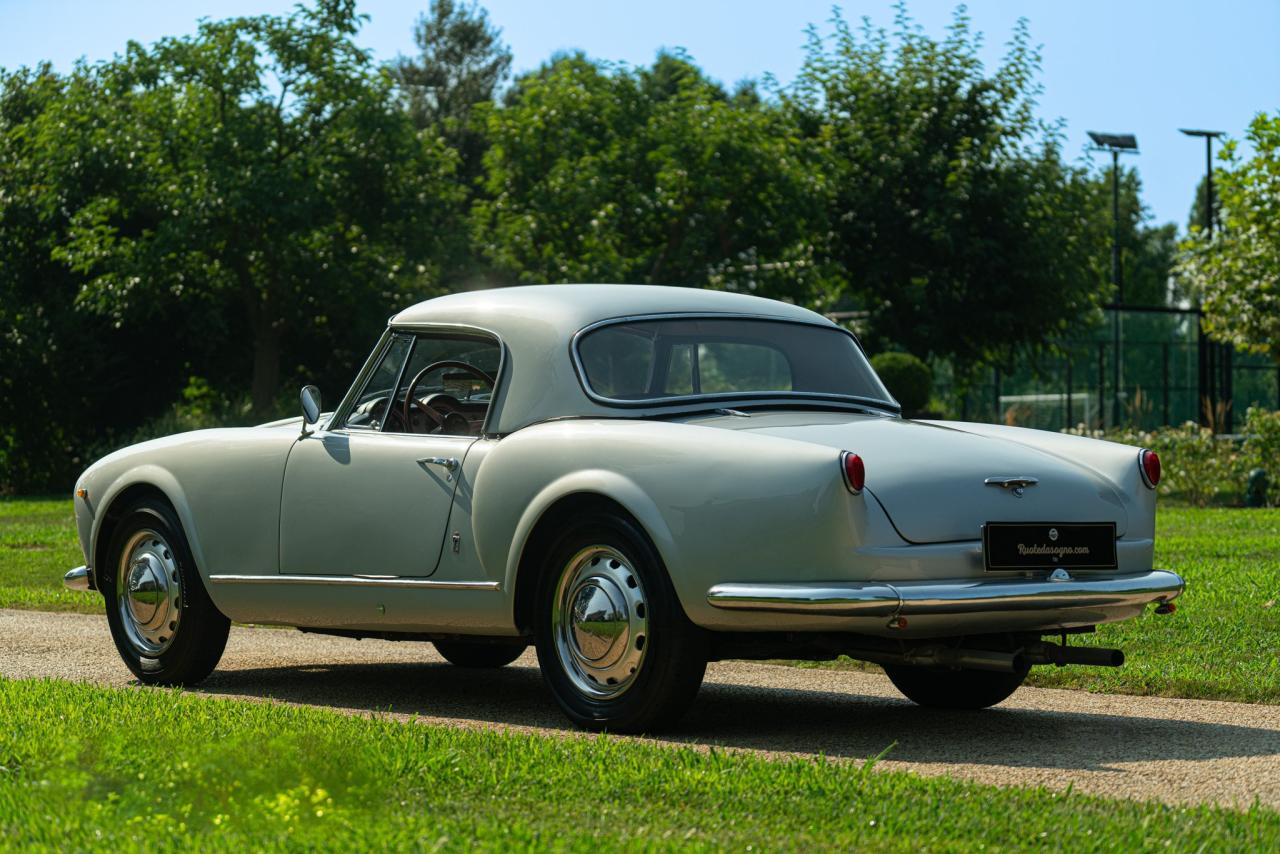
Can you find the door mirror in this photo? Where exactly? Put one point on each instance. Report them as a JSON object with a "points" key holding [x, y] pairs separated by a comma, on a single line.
{"points": [[310, 404]]}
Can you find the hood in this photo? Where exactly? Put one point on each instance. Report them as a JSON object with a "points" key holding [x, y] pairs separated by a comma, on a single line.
{"points": [[930, 478]]}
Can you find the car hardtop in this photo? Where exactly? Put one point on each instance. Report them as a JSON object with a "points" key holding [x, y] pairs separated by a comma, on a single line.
{"points": [[536, 326], [567, 309]]}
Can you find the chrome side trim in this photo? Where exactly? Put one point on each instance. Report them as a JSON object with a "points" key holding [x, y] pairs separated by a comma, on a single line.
{"points": [[389, 581], [956, 596], [77, 579]]}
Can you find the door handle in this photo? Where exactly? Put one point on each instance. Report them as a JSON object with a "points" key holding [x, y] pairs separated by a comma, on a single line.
{"points": [[449, 464]]}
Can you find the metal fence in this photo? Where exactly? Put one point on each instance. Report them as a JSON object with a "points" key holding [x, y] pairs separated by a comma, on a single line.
{"points": [[1167, 374]]}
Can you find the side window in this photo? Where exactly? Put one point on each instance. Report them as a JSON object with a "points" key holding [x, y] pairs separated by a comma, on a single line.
{"points": [[371, 405], [436, 384]]}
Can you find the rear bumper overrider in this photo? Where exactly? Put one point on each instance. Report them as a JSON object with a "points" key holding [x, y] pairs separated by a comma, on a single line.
{"points": [[956, 606]]}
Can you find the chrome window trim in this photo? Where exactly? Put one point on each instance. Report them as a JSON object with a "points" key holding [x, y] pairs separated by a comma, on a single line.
{"points": [[337, 422], [794, 396]]}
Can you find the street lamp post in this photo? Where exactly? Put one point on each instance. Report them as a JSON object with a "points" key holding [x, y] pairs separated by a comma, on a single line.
{"points": [[1115, 144], [1207, 385]]}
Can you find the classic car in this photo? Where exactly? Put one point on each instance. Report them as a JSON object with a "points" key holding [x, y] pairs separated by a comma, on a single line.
{"points": [[636, 480]]}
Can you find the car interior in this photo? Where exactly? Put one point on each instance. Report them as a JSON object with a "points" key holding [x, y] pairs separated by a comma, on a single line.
{"points": [[429, 384]]}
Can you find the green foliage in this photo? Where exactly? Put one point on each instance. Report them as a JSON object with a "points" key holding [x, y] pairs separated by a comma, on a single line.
{"points": [[272, 180], [461, 64], [907, 377], [1198, 467], [81, 772], [1236, 272], [1262, 448], [602, 173], [950, 210]]}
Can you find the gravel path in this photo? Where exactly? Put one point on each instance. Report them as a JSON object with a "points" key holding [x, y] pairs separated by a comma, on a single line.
{"points": [[1178, 751]]}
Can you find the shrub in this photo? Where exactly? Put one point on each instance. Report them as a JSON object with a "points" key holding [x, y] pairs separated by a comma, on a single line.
{"points": [[908, 378], [1198, 466], [1262, 447]]}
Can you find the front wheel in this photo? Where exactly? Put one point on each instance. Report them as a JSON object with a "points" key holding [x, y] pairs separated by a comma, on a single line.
{"points": [[942, 688], [614, 645], [165, 627]]}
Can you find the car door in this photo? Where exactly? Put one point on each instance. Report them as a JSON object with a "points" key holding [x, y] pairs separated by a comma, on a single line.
{"points": [[369, 495]]}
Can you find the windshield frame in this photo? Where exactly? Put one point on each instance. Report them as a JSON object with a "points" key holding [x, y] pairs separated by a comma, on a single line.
{"points": [[718, 398]]}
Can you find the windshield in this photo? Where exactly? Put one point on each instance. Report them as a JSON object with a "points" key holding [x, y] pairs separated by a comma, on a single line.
{"points": [[653, 360]]}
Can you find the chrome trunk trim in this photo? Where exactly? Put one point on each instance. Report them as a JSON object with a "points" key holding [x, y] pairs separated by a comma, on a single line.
{"points": [[389, 581], [954, 596]]}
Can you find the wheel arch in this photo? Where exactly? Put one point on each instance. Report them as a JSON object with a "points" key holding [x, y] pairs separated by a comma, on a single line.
{"points": [[550, 513], [139, 484]]}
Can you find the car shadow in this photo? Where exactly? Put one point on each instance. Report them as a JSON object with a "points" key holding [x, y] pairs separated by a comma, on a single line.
{"points": [[807, 722]]}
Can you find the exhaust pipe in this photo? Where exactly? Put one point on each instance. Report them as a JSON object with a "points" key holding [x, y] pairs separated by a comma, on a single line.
{"points": [[941, 656], [1091, 656]]}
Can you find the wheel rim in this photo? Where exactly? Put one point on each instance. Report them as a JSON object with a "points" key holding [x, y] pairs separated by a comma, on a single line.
{"points": [[149, 592], [600, 622]]}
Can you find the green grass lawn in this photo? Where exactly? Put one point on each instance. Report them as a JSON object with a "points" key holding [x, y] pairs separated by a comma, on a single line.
{"points": [[1221, 644], [37, 545], [157, 770]]}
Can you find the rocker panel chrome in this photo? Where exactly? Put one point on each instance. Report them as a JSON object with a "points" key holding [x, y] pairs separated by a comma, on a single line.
{"points": [[357, 581]]}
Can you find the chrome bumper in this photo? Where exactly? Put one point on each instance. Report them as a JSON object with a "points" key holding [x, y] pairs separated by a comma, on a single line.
{"points": [[77, 579], [965, 605]]}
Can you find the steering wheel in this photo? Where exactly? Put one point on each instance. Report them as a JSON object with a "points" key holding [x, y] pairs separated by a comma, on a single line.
{"points": [[410, 400]]}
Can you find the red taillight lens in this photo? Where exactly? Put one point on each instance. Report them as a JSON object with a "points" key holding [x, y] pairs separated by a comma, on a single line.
{"points": [[855, 474], [1149, 464]]}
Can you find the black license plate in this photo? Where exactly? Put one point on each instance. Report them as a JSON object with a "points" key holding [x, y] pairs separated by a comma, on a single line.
{"points": [[1048, 545]]}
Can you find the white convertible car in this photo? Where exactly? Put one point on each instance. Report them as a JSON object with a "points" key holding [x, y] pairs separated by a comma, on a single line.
{"points": [[636, 480]]}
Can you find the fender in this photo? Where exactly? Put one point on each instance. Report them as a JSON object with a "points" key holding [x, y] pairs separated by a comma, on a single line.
{"points": [[148, 474], [607, 484]]}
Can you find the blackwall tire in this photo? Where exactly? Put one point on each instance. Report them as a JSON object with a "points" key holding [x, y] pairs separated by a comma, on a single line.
{"points": [[162, 621], [614, 645], [480, 654], [941, 688]]}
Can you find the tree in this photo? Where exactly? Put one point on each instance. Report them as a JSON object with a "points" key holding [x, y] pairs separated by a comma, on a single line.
{"points": [[462, 62], [274, 179], [1236, 272], [952, 217], [602, 173]]}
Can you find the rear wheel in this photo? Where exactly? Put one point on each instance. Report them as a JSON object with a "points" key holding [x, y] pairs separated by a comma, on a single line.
{"points": [[614, 645], [943, 688], [165, 627], [479, 653]]}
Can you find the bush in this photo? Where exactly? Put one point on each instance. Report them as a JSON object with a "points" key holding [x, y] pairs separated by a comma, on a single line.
{"points": [[908, 378], [1198, 467], [1262, 448]]}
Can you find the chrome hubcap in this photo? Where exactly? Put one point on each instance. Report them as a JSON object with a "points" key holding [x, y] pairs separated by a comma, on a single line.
{"points": [[600, 622], [149, 593]]}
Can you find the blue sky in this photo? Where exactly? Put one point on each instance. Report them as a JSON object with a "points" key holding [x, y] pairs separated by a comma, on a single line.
{"points": [[1142, 66]]}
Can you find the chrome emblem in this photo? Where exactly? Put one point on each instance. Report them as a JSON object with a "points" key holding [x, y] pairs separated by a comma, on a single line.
{"points": [[1053, 534], [1017, 485]]}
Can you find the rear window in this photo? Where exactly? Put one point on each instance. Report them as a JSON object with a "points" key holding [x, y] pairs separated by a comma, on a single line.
{"points": [[650, 360]]}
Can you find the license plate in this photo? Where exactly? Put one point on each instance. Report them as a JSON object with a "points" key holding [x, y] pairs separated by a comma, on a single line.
{"points": [[1049, 545]]}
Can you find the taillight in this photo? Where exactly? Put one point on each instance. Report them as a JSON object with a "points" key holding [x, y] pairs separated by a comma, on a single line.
{"points": [[1149, 465], [855, 474]]}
